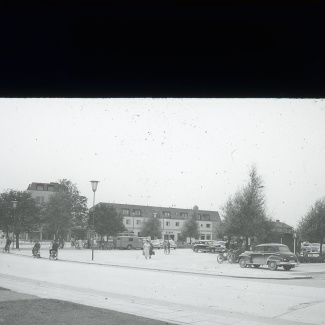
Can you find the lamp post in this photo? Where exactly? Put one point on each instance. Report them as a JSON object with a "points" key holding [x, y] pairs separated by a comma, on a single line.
{"points": [[94, 185], [294, 242], [14, 205]]}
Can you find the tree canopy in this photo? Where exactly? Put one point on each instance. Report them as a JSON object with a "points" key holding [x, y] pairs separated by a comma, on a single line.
{"points": [[26, 216], [151, 228], [245, 212], [312, 226], [106, 220], [190, 227], [65, 210]]}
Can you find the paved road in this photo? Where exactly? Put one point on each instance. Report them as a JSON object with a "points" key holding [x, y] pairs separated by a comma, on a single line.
{"points": [[163, 289]]}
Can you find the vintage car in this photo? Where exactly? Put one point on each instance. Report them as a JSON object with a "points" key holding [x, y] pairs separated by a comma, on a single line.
{"points": [[157, 243], [272, 255], [211, 246]]}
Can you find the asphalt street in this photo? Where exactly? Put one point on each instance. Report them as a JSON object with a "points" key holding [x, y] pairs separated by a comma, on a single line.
{"points": [[182, 288]]}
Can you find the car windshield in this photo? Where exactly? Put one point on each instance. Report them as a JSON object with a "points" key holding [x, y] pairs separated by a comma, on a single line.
{"points": [[284, 249]]}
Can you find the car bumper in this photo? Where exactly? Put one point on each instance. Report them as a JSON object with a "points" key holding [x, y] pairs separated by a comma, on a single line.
{"points": [[293, 264]]}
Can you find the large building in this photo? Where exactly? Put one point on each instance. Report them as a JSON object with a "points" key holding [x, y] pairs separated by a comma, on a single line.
{"points": [[171, 219]]}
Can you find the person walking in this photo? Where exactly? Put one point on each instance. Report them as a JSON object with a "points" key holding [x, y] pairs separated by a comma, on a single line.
{"points": [[168, 247], [151, 252], [146, 249]]}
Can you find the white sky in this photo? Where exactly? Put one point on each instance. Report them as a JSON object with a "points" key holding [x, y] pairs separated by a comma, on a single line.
{"points": [[168, 152]]}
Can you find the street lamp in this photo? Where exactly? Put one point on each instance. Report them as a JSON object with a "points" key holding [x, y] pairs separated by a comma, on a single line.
{"points": [[294, 242], [94, 185], [14, 205]]}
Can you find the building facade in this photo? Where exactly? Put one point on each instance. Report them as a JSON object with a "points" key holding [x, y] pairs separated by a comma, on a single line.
{"points": [[42, 191], [171, 219]]}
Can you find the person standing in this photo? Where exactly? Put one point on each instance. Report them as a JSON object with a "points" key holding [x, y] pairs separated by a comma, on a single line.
{"points": [[146, 249]]}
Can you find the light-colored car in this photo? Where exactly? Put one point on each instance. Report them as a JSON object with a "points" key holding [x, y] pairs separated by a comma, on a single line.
{"points": [[172, 244], [157, 243]]}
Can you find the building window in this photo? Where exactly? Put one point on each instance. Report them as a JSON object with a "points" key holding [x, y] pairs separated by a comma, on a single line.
{"points": [[50, 188], [208, 225], [137, 212], [202, 237], [199, 217], [138, 222], [39, 187], [177, 224], [201, 225], [208, 237], [184, 215], [206, 217], [167, 223], [166, 214], [126, 212], [127, 221]]}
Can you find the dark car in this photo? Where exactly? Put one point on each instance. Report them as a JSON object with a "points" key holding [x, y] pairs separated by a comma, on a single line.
{"points": [[272, 255], [208, 246]]}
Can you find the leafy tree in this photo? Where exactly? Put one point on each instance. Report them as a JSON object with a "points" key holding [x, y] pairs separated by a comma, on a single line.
{"points": [[245, 213], [190, 227], [312, 225], [26, 216], [65, 210], [106, 219], [151, 228]]}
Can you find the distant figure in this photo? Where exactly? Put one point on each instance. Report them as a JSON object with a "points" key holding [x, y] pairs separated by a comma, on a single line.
{"points": [[36, 248], [7, 246], [55, 247], [146, 249], [72, 242], [168, 247], [79, 243], [227, 244], [151, 252]]}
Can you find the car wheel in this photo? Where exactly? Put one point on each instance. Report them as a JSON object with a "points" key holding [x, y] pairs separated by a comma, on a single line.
{"points": [[256, 266], [129, 247], [243, 263], [196, 250], [287, 267], [273, 266]]}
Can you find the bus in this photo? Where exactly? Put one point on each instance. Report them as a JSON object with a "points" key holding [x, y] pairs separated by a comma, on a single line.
{"points": [[128, 242]]}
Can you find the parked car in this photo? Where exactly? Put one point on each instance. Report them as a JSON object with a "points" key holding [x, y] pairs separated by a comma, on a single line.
{"points": [[272, 255], [172, 244], [314, 247], [157, 243], [211, 246]]}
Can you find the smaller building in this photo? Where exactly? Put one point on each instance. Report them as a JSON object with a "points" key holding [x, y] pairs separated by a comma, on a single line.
{"points": [[42, 191], [282, 228]]}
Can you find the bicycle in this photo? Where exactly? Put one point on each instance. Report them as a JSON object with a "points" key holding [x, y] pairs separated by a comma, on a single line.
{"points": [[226, 256], [6, 249]]}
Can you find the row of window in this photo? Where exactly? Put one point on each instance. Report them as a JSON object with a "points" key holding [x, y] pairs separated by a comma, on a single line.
{"points": [[168, 223], [166, 214]]}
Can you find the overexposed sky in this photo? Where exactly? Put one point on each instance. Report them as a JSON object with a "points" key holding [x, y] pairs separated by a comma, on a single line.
{"points": [[168, 152]]}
